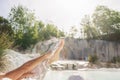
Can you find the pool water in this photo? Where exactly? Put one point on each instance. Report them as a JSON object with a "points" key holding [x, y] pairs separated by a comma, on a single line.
{"points": [[83, 75]]}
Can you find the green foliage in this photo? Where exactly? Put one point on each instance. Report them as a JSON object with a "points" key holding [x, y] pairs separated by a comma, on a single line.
{"points": [[5, 26], [116, 59], [73, 31], [89, 29], [107, 20], [5, 43], [21, 19], [6, 35], [50, 31], [103, 24], [28, 30], [24, 26], [93, 59]]}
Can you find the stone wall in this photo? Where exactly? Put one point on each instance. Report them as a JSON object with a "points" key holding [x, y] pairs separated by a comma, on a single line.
{"points": [[76, 49]]}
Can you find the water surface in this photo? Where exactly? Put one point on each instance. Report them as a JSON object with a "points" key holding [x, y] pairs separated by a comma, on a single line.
{"points": [[83, 75]]}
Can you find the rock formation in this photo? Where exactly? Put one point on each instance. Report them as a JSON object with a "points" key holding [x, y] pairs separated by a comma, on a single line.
{"points": [[76, 49]]}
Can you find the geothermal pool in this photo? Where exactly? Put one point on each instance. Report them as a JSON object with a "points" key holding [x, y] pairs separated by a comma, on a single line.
{"points": [[83, 75]]}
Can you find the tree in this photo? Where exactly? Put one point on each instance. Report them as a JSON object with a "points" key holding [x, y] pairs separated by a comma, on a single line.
{"points": [[89, 29], [103, 24], [5, 26], [28, 30], [107, 20], [5, 42], [6, 34], [23, 24], [73, 31], [51, 31], [21, 19]]}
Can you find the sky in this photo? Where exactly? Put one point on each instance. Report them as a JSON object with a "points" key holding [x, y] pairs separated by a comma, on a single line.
{"points": [[62, 13]]}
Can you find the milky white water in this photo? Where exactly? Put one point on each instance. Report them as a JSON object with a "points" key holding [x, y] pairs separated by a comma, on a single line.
{"points": [[83, 75]]}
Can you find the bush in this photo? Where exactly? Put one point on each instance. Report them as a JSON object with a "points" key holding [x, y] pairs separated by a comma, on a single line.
{"points": [[116, 59], [5, 42], [93, 59]]}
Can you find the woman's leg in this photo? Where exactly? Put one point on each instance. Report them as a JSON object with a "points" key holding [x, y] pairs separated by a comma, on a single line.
{"points": [[26, 68]]}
